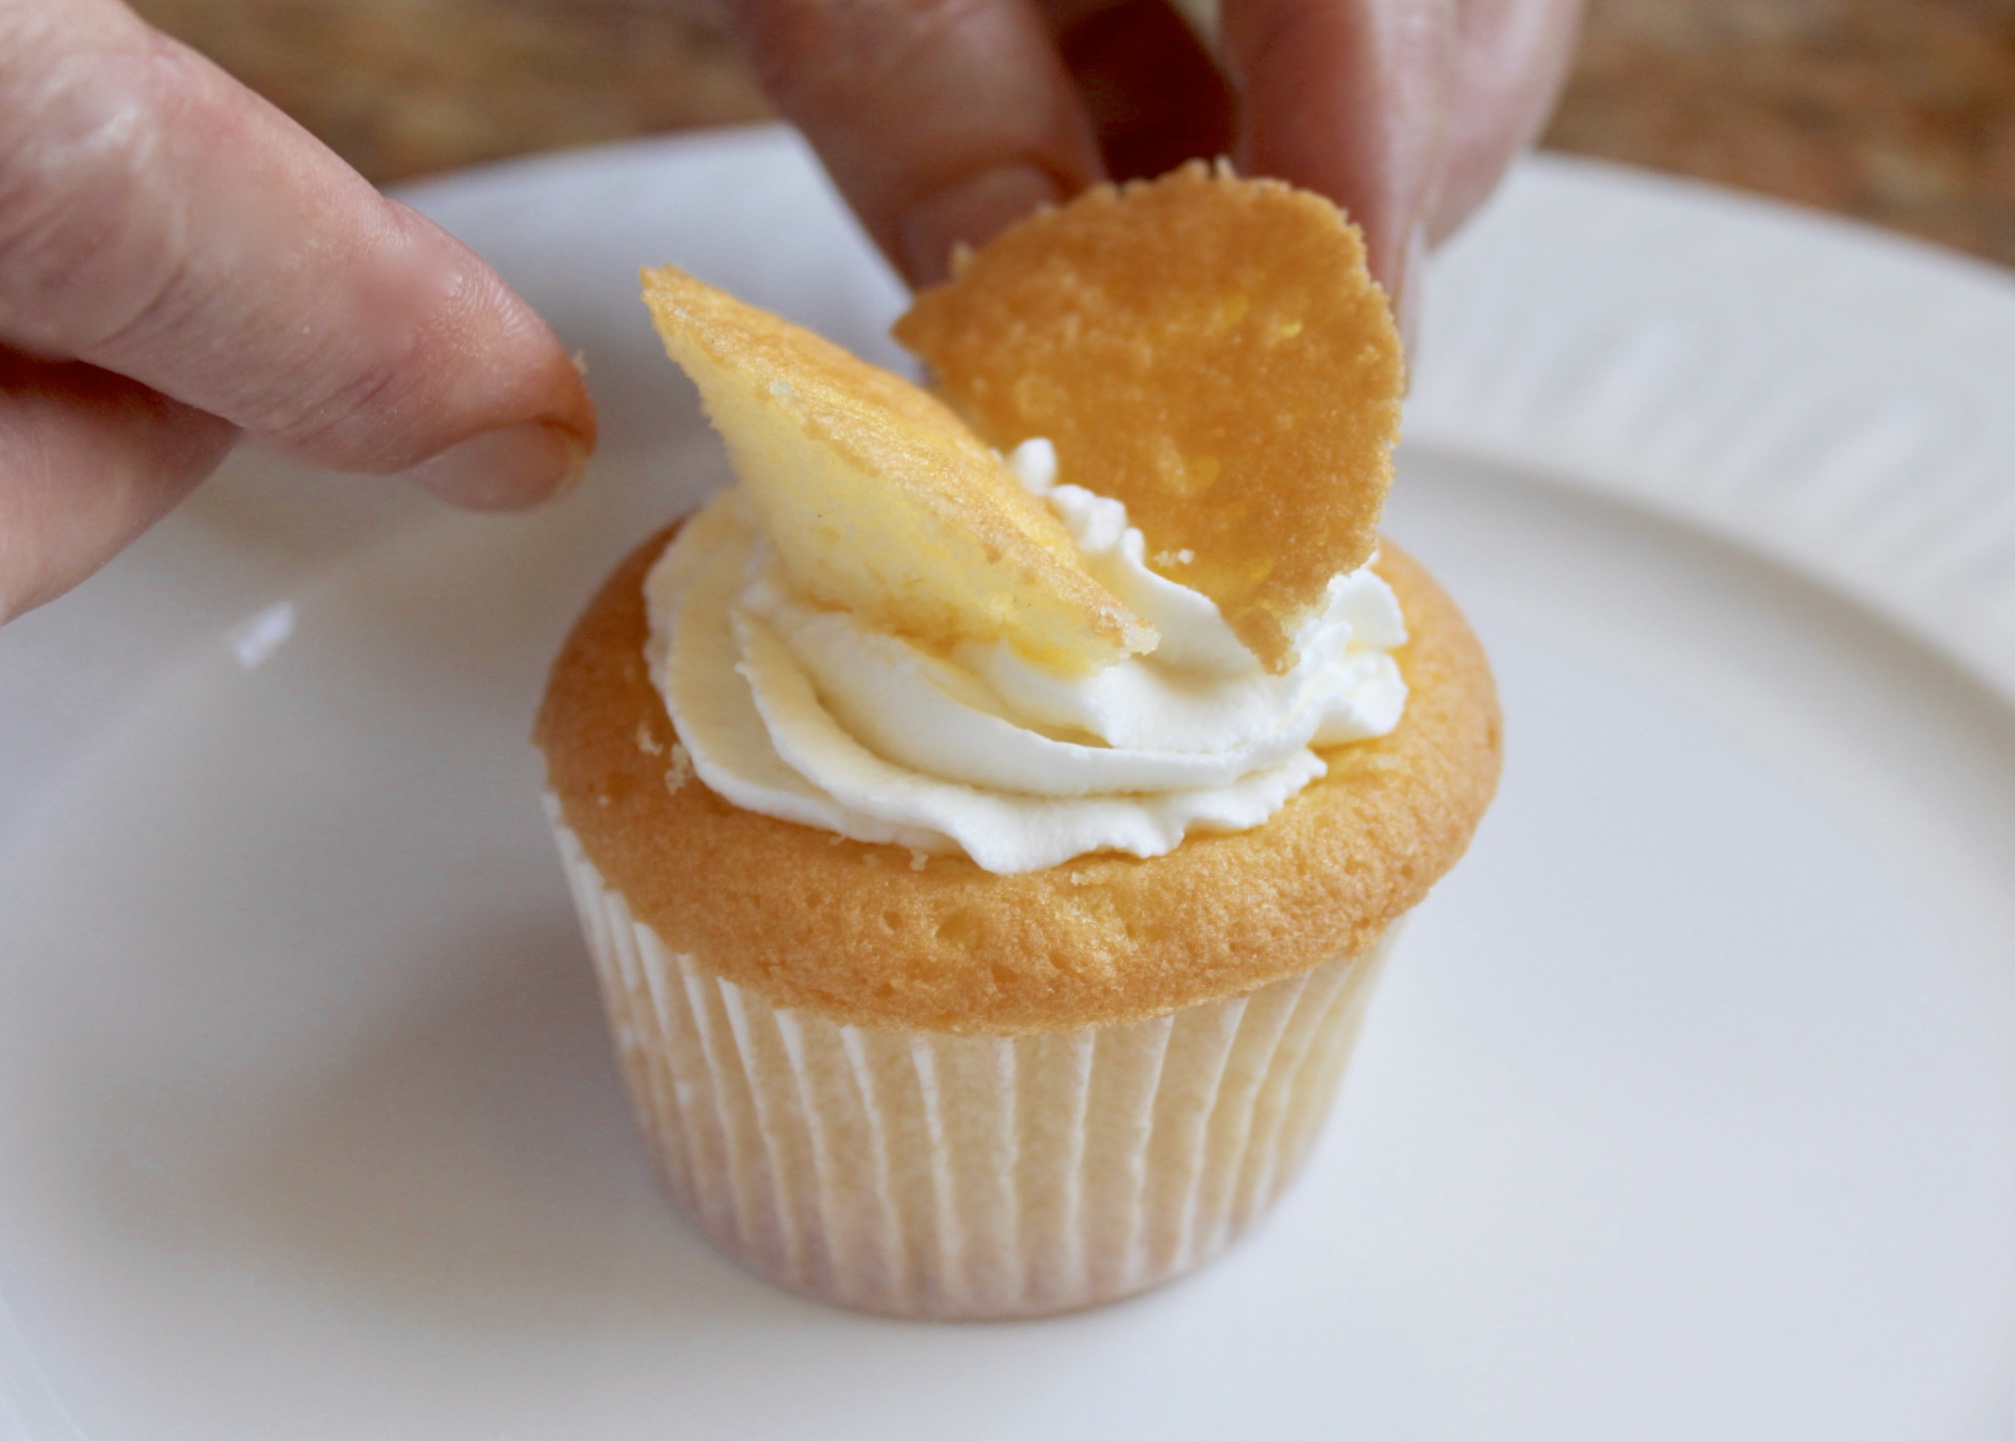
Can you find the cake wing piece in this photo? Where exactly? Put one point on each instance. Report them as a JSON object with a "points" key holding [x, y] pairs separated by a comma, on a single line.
{"points": [[1209, 350], [878, 498]]}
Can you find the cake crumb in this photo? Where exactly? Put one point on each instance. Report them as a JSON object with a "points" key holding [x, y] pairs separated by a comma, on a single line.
{"points": [[680, 771], [646, 742]]}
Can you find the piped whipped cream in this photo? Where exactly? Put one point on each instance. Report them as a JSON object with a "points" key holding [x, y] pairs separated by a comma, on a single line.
{"points": [[810, 716]]}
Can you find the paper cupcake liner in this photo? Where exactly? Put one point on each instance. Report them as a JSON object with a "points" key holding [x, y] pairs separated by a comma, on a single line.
{"points": [[919, 1174]]}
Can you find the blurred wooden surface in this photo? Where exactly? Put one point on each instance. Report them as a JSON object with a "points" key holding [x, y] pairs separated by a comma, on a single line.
{"points": [[1900, 112]]}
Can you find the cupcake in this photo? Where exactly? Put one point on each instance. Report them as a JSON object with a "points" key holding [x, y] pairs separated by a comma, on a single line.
{"points": [[989, 817]]}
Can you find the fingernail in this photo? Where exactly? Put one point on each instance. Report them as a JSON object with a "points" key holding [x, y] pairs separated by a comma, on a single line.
{"points": [[968, 212], [507, 469]]}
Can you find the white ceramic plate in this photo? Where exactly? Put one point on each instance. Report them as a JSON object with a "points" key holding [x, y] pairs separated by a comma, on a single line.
{"points": [[1688, 1110]]}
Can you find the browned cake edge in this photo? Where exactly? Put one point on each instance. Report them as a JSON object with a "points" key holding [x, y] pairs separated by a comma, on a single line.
{"points": [[862, 934]]}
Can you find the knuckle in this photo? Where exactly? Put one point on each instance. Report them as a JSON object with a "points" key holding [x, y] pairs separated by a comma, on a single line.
{"points": [[326, 420], [369, 396], [87, 244], [844, 49]]}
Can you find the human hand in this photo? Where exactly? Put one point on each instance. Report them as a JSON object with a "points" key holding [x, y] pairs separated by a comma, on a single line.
{"points": [[181, 264], [942, 120]]}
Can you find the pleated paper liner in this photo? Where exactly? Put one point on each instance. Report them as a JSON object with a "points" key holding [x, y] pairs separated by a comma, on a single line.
{"points": [[967, 1177]]}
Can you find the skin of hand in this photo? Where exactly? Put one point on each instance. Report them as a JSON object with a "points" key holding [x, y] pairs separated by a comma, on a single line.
{"points": [[943, 120], [181, 265]]}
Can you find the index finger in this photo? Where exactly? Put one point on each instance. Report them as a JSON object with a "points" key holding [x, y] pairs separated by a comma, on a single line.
{"points": [[162, 222]]}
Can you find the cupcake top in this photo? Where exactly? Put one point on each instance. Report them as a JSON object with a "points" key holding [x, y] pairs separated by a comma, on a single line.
{"points": [[878, 935], [1068, 701]]}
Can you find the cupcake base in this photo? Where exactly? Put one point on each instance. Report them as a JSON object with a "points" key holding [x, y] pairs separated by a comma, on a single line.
{"points": [[966, 1177]]}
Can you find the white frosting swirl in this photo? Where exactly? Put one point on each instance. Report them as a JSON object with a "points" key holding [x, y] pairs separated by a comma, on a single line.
{"points": [[807, 715]]}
